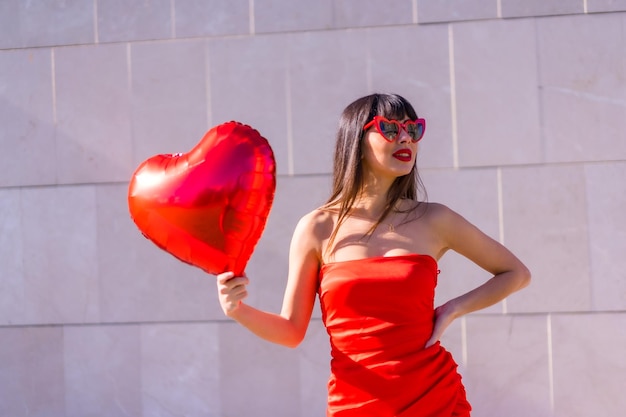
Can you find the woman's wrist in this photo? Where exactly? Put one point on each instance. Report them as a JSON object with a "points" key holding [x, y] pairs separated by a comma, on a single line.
{"points": [[453, 308]]}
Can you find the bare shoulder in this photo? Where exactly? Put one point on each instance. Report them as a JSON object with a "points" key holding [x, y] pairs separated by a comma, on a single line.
{"points": [[446, 224], [455, 232], [436, 214], [434, 209], [317, 221], [312, 229]]}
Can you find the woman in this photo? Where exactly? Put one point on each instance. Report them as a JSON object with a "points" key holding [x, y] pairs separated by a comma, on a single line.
{"points": [[371, 254]]}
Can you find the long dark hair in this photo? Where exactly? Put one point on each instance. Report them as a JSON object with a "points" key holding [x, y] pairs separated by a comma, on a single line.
{"points": [[348, 166]]}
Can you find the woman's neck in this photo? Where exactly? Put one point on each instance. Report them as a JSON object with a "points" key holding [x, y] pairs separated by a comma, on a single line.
{"points": [[370, 205], [372, 199]]}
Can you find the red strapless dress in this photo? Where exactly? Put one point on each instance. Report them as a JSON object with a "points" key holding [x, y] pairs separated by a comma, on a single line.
{"points": [[379, 314]]}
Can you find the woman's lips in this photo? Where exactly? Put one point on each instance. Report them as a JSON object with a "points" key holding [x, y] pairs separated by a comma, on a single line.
{"points": [[404, 155]]}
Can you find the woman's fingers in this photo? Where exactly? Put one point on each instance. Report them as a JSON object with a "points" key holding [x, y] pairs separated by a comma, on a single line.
{"points": [[434, 338], [441, 322], [233, 284], [231, 290], [224, 277]]}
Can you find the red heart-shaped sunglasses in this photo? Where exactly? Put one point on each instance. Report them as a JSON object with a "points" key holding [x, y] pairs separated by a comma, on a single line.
{"points": [[390, 129]]}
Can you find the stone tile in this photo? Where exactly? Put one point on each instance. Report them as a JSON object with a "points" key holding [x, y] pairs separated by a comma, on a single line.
{"points": [[249, 84], [545, 225], [454, 10], [102, 370], [512, 8], [27, 137], [422, 78], [31, 372], [361, 13], [93, 114], [212, 18], [295, 15], [139, 281], [496, 93], [473, 193], [582, 73], [320, 61], [507, 371], [606, 204], [314, 366], [12, 297], [10, 31], [589, 67], [251, 365], [601, 6], [120, 20], [32, 24], [589, 366], [180, 369], [268, 268], [569, 140], [169, 97], [60, 255]]}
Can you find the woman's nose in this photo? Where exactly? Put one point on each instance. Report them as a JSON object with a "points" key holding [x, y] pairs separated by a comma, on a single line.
{"points": [[403, 136]]}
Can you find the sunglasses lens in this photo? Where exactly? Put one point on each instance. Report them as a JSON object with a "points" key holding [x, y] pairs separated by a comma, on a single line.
{"points": [[415, 130], [388, 129]]}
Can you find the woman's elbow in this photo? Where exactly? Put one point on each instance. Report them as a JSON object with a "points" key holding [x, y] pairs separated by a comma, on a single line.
{"points": [[524, 278], [294, 336], [293, 342]]}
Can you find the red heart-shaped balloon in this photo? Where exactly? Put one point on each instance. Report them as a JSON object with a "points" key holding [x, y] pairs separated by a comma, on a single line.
{"points": [[207, 207]]}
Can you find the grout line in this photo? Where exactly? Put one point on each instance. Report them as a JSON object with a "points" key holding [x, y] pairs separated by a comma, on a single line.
{"points": [[368, 65], [213, 320], [591, 262], [501, 221], [415, 11], [500, 205], [173, 18], [290, 162], [95, 21], [251, 13], [464, 340], [207, 82], [54, 85], [528, 165], [55, 184], [129, 68], [540, 97], [129, 79], [455, 139], [126, 323], [550, 362], [588, 96]]}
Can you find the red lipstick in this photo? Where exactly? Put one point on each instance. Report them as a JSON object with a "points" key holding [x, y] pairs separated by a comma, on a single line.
{"points": [[404, 155]]}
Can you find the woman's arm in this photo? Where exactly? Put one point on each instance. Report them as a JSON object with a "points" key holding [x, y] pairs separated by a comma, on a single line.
{"points": [[289, 327], [509, 273]]}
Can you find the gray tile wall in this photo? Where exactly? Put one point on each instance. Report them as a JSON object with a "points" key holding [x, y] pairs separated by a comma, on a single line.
{"points": [[526, 109]]}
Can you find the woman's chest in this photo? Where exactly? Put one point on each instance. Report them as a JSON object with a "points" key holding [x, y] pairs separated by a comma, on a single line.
{"points": [[358, 241]]}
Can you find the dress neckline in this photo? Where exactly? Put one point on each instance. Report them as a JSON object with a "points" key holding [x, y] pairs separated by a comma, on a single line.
{"points": [[381, 257]]}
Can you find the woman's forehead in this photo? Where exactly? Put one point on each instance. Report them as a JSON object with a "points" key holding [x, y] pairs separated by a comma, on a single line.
{"points": [[402, 116], [393, 111]]}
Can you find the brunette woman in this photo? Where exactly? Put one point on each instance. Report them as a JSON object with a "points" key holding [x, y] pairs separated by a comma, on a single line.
{"points": [[370, 254]]}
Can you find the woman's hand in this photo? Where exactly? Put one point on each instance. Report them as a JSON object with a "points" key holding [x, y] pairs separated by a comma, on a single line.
{"points": [[231, 291], [444, 316]]}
